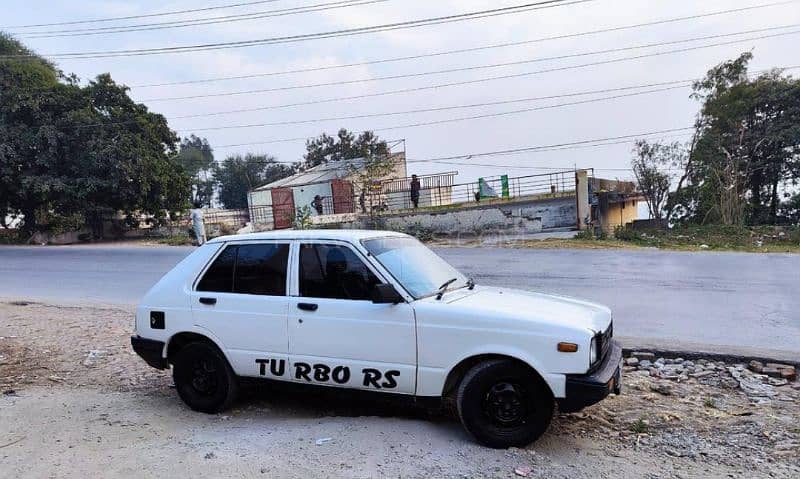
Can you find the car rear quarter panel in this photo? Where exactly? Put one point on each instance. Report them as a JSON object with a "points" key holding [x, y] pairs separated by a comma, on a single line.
{"points": [[171, 295]]}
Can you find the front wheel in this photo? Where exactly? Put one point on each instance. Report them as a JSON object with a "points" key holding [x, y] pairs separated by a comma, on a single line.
{"points": [[203, 378], [502, 403]]}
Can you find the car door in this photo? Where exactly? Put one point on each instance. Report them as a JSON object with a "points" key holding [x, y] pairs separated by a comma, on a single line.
{"points": [[241, 301], [337, 335]]}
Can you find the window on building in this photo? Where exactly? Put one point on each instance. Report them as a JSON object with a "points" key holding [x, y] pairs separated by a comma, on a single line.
{"points": [[334, 271]]}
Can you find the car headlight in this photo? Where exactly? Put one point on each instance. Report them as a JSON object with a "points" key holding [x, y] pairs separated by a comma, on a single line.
{"points": [[593, 351]]}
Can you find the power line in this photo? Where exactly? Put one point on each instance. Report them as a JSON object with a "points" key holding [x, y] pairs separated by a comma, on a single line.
{"points": [[199, 21], [543, 4], [464, 50], [481, 80], [471, 155], [669, 85], [435, 122], [564, 145], [132, 17], [544, 150], [572, 145], [426, 110], [673, 84]]}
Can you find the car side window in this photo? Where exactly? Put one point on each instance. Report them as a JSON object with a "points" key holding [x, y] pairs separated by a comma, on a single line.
{"points": [[219, 276], [334, 271], [261, 269], [258, 269]]}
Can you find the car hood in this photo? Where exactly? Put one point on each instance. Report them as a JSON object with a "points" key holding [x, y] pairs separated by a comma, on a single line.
{"points": [[551, 308]]}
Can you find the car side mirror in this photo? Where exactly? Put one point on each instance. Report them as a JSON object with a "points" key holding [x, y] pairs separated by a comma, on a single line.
{"points": [[385, 294]]}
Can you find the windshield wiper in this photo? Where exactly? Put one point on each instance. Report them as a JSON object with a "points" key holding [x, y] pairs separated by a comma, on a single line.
{"points": [[444, 286]]}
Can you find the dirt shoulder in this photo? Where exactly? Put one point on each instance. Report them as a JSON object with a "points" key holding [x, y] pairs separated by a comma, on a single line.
{"points": [[757, 239], [77, 402]]}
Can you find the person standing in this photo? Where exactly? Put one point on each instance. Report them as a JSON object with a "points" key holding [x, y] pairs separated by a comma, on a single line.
{"points": [[317, 204], [415, 191], [198, 226]]}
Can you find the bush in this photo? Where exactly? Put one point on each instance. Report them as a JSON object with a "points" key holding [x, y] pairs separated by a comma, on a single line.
{"points": [[422, 233], [623, 233], [586, 234]]}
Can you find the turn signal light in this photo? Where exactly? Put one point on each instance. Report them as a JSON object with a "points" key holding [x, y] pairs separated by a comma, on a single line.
{"points": [[568, 347]]}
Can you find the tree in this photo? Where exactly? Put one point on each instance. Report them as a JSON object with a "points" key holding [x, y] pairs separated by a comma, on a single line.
{"points": [[790, 209], [197, 158], [367, 179], [345, 146], [650, 163], [747, 145], [68, 154], [237, 175]]}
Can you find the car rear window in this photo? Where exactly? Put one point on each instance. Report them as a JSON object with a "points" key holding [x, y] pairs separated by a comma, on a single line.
{"points": [[258, 269]]}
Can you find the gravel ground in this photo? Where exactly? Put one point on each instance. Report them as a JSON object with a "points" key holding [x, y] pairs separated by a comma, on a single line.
{"points": [[76, 402]]}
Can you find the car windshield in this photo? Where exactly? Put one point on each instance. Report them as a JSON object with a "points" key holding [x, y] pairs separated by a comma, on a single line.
{"points": [[417, 268]]}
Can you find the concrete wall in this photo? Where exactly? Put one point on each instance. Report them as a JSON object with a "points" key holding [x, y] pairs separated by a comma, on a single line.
{"points": [[620, 214], [509, 217]]}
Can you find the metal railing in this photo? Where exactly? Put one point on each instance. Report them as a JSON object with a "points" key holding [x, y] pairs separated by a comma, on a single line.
{"points": [[558, 183], [439, 192]]}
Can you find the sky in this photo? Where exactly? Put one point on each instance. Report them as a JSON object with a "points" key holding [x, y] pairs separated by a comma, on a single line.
{"points": [[547, 121]]}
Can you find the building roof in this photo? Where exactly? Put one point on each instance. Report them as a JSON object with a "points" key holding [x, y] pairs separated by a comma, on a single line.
{"points": [[318, 174], [321, 234]]}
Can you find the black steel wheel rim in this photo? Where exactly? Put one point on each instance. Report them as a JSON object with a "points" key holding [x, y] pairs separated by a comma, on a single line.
{"points": [[506, 404], [204, 377]]}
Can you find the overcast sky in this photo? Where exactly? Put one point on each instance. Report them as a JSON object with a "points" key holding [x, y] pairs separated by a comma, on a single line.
{"points": [[602, 119]]}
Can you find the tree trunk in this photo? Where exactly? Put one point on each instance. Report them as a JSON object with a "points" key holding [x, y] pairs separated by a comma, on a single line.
{"points": [[29, 220], [756, 208], [773, 206]]}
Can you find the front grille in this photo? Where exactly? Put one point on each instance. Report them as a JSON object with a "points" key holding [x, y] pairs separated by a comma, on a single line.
{"points": [[604, 342]]}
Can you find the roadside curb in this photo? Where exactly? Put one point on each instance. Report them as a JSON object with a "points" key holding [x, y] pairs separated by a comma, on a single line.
{"points": [[694, 355]]}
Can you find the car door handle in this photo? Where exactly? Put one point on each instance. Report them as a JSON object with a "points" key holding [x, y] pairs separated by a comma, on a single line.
{"points": [[209, 301], [307, 306]]}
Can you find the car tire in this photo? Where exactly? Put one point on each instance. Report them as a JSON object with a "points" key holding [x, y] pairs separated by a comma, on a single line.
{"points": [[503, 403], [203, 378]]}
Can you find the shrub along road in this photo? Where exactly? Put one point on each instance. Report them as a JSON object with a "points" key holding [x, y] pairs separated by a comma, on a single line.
{"points": [[725, 302]]}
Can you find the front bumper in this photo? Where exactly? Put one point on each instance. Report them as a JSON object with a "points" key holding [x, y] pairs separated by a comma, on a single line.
{"points": [[150, 350], [586, 389]]}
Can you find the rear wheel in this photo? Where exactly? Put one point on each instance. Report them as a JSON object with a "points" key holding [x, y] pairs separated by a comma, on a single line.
{"points": [[203, 378], [503, 403]]}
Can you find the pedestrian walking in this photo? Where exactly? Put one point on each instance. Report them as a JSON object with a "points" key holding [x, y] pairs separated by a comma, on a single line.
{"points": [[415, 191], [198, 226]]}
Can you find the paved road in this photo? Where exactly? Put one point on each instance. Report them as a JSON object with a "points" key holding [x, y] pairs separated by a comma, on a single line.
{"points": [[747, 302]]}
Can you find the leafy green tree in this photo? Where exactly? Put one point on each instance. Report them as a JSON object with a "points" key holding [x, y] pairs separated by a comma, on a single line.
{"points": [[790, 209], [344, 146], [651, 164], [237, 175], [197, 159], [747, 145], [69, 154]]}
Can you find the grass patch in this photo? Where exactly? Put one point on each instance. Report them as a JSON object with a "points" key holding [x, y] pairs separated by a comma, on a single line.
{"points": [[710, 403], [11, 236], [756, 239], [640, 426], [177, 240], [765, 239]]}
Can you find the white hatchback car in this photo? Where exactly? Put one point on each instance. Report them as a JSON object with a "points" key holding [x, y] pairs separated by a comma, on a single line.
{"points": [[376, 311]]}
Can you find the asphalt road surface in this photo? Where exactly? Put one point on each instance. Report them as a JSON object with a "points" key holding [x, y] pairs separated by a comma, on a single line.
{"points": [[725, 302]]}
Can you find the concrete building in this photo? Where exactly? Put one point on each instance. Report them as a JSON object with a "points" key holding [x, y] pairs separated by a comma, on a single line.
{"points": [[338, 185], [613, 203]]}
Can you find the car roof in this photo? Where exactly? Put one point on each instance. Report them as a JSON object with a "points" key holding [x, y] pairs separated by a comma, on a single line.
{"points": [[321, 234]]}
